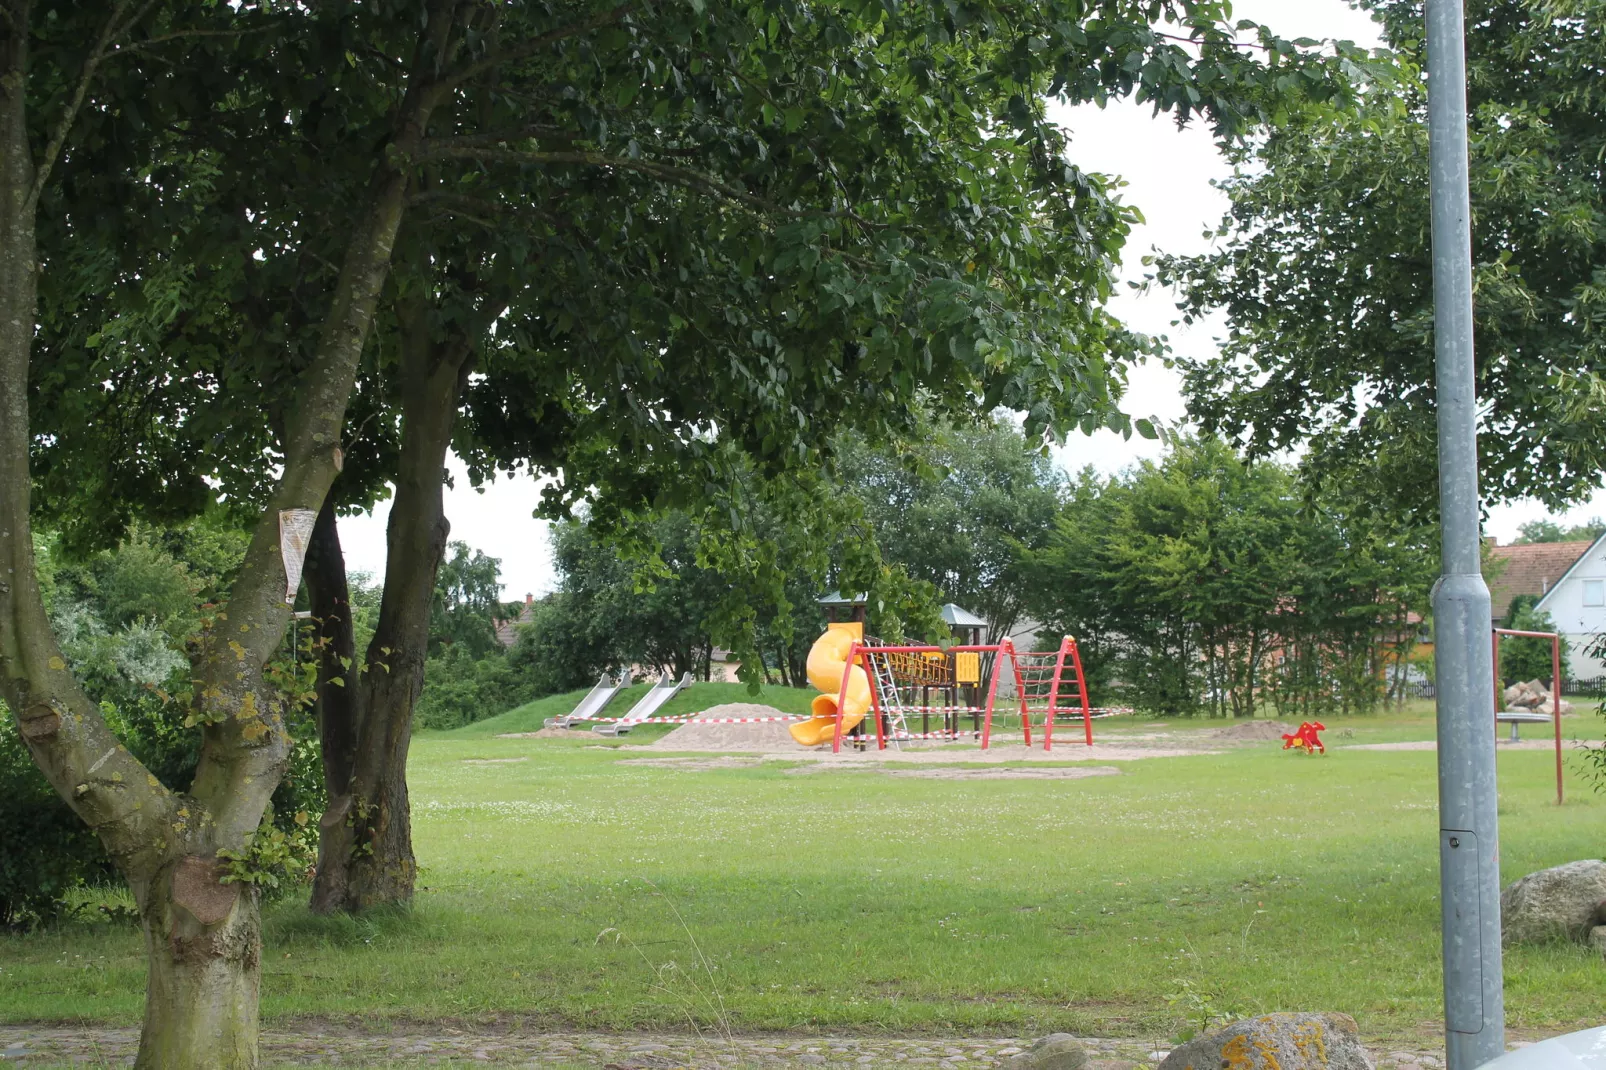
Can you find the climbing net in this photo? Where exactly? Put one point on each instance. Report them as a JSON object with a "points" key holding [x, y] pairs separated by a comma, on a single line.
{"points": [[1049, 686]]}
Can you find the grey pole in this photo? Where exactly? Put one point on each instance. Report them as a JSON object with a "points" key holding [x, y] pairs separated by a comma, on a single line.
{"points": [[1469, 846]]}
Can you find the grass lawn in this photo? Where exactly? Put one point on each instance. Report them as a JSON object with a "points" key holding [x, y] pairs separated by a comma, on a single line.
{"points": [[562, 887]]}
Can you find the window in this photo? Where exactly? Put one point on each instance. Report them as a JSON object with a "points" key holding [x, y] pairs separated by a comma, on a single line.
{"points": [[1595, 592]]}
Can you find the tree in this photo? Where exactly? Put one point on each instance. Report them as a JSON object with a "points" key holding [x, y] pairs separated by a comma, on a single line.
{"points": [[190, 859], [467, 602], [1549, 531], [1324, 268], [956, 508], [826, 213], [287, 144], [1205, 582], [1529, 659]]}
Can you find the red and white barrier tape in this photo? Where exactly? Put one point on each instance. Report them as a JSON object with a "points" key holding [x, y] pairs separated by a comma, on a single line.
{"points": [[692, 720], [1112, 712]]}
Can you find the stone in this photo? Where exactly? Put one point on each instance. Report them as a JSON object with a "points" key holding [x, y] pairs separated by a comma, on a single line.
{"points": [[1057, 1051], [1276, 1042], [1561, 903], [1597, 939]]}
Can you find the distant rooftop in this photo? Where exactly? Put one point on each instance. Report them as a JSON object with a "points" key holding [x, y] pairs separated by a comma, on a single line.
{"points": [[1531, 569], [954, 616]]}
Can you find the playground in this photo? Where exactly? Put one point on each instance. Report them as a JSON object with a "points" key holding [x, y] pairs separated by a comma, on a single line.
{"points": [[585, 883]]}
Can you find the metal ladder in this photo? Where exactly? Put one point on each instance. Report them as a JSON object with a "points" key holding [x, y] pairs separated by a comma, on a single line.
{"points": [[891, 702]]}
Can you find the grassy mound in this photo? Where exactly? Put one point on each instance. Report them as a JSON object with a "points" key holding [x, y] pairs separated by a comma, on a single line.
{"points": [[696, 698]]}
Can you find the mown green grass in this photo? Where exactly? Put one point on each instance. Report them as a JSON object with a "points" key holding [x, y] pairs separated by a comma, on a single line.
{"points": [[562, 887]]}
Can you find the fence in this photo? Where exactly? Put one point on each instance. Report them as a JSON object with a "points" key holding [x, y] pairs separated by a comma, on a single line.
{"points": [[1594, 687]]}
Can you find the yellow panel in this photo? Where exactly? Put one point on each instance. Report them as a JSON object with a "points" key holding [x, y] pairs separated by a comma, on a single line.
{"points": [[853, 627], [967, 668]]}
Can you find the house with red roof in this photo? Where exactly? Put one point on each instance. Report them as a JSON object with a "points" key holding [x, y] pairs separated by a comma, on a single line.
{"points": [[1569, 584], [1573, 592]]}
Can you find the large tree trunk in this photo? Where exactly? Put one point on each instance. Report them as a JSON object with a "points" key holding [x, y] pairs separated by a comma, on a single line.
{"points": [[365, 853], [204, 943], [202, 933], [339, 708]]}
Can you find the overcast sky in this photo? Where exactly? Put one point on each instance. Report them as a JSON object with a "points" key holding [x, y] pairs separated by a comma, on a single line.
{"points": [[1169, 175]]}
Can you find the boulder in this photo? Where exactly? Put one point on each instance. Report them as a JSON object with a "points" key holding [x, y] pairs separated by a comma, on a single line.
{"points": [[1277, 1042], [1563, 903], [1597, 938], [1057, 1051]]}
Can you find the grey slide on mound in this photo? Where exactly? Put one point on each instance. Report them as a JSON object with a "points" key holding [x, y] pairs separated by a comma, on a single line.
{"points": [[650, 703], [597, 698]]}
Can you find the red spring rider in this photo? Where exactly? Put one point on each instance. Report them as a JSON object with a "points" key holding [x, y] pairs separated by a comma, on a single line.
{"points": [[1308, 737]]}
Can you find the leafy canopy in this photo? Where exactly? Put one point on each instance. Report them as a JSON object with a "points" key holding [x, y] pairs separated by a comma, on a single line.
{"points": [[1324, 269]]}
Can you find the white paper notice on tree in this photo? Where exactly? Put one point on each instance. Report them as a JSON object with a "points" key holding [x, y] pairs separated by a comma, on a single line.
{"points": [[295, 534]]}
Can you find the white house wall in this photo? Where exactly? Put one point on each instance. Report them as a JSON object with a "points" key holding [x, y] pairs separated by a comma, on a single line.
{"points": [[1578, 622]]}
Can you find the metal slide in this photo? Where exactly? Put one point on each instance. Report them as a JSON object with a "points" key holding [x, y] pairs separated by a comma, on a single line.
{"points": [[597, 698], [649, 704]]}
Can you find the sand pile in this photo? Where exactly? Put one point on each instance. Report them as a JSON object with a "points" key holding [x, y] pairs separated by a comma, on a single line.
{"points": [[1254, 731], [545, 733], [696, 735]]}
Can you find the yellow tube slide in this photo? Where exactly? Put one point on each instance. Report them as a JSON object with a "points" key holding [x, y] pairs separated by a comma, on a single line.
{"points": [[827, 660]]}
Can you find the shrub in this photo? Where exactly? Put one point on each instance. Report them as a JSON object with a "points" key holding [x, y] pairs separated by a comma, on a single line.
{"points": [[45, 849], [135, 668]]}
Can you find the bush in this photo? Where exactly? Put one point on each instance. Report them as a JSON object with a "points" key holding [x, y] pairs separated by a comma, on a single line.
{"points": [[135, 668], [45, 849], [1529, 659], [460, 689]]}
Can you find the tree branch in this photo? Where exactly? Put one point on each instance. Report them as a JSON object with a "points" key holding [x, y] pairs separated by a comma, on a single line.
{"points": [[145, 45], [685, 176], [541, 130], [532, 46], [114, 28]]}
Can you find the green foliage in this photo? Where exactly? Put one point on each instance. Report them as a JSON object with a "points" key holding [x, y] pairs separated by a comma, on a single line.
{"points": [[123, 617], [957, 508], [467, 603], [1548, 530], [1529, 659], [274, 856], [1324, 269], [45, 850], [1206, 583], [460, 689]]}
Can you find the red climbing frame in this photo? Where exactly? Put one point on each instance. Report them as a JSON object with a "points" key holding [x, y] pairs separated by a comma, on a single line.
{"points": [[1053, 684]]}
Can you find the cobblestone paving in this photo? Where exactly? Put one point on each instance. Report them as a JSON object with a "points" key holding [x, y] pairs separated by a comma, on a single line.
{"points": [[115, 1047]]}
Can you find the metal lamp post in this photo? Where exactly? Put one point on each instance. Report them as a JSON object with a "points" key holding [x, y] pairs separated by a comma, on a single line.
{"points": [[1469, 844]]}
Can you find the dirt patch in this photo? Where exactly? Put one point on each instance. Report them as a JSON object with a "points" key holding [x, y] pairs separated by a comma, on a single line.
{"points": [[698, 735], [1253, 731], [1009, 772], [492, 761], [696, 765], [545, 733]]}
